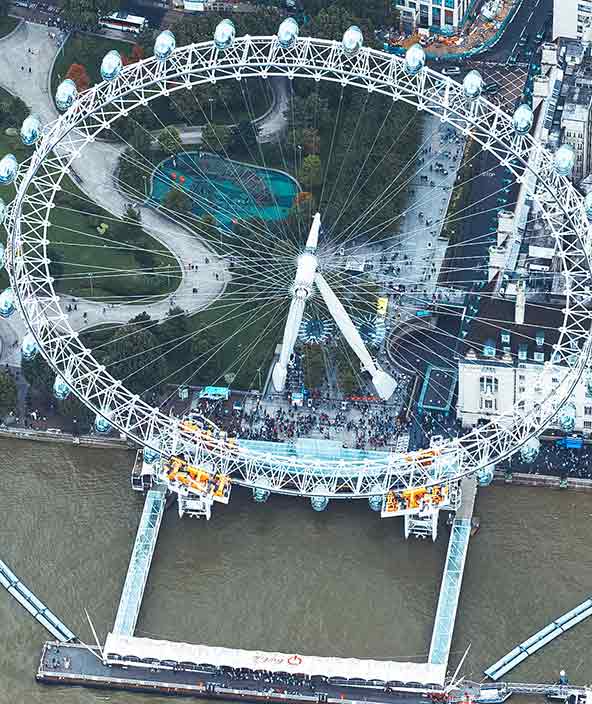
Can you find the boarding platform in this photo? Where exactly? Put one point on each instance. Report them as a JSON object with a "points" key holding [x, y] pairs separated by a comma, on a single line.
{"points": [[157, 667]]}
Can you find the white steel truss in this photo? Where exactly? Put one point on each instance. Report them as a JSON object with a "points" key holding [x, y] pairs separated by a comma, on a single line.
{"points": [[320, 60]]}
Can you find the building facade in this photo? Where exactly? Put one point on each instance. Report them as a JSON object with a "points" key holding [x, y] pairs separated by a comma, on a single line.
{"points": [[575, 128], [444, 15], [570, 18], [506, 364]]}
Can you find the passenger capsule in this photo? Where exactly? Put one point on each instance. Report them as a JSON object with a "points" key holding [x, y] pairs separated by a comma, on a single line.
{"points": [[66, 94], [224, 35], [288, 32], [567, 418], [375, 503], [565, 159], [7, 303], [261, 493], [150, 454], [61, 390], [260, 496], [164, 45], [30, 130], [485, 475], [530, 450], [352, 41], [522, 119], [415, 59], [111, 65], [319, 503], [29, 347], [587, 205], [2, 217], [8, 169], [102, 425], [472, 85]]}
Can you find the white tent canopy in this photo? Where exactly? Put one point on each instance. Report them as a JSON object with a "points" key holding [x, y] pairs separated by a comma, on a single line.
{"points": [[273, 662]]}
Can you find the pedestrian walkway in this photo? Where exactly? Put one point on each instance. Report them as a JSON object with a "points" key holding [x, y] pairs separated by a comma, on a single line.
{"points": [[539, 640], [453, 573], [140, 561], [33, 605], [32, 47]]}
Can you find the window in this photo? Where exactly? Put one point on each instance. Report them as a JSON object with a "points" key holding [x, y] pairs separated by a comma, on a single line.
{"points": [[488, 404], [523, 352], [489, 385], [521, 389], [540, 338], [505, 338], [539, 356], [521, 377], [588, 410], [587, 425]]}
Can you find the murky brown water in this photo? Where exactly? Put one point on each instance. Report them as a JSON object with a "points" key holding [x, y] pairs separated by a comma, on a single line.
{"points": [[279, 576]]}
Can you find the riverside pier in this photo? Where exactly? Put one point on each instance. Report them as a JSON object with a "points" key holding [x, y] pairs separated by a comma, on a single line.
{"points": [[149, 665]]}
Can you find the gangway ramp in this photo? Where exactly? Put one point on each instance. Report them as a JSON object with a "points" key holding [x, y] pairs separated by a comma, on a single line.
{"points": [[140, 561], [458, 544], [33, 605], [539, 640]]}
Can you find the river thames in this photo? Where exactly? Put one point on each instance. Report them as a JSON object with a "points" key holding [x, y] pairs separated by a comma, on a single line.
{"points": [[279, 576]]}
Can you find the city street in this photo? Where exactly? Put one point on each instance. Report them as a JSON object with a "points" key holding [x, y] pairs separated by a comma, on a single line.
{"points": [[531, 17]]}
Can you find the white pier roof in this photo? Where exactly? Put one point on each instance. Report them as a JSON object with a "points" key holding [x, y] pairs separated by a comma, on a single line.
{"points": [[386, 670]]}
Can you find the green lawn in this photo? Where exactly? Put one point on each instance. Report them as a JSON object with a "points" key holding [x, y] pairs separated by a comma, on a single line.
{"points": [[243, 335], [73, 235], [7, 24]]}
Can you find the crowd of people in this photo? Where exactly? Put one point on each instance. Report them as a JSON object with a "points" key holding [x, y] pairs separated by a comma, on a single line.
{"points": [[360, 425], [555, 461]]}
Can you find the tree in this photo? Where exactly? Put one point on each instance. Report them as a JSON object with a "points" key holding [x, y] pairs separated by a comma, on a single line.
{"points": [[137, 54], [178, 201], [86, 12], [170, 140], [78, 74], [12, 111], [205, 352], [133, 355], [145, 40], [314, 367], [39, 375], [141, 141], [216, 137], [75, 410], [308, 138], [8, 393], [4, 5], [175, 335], [244, 136], [310, 173]]}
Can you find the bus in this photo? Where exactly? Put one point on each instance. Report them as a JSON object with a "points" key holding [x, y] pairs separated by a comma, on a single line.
{"points": [[124, 22]]}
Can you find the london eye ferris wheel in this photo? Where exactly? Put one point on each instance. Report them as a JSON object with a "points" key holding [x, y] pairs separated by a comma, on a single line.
{"points": [[320, 230]]}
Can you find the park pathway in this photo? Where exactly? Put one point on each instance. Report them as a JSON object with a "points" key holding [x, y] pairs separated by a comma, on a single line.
{"points": [[26, 61]]}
